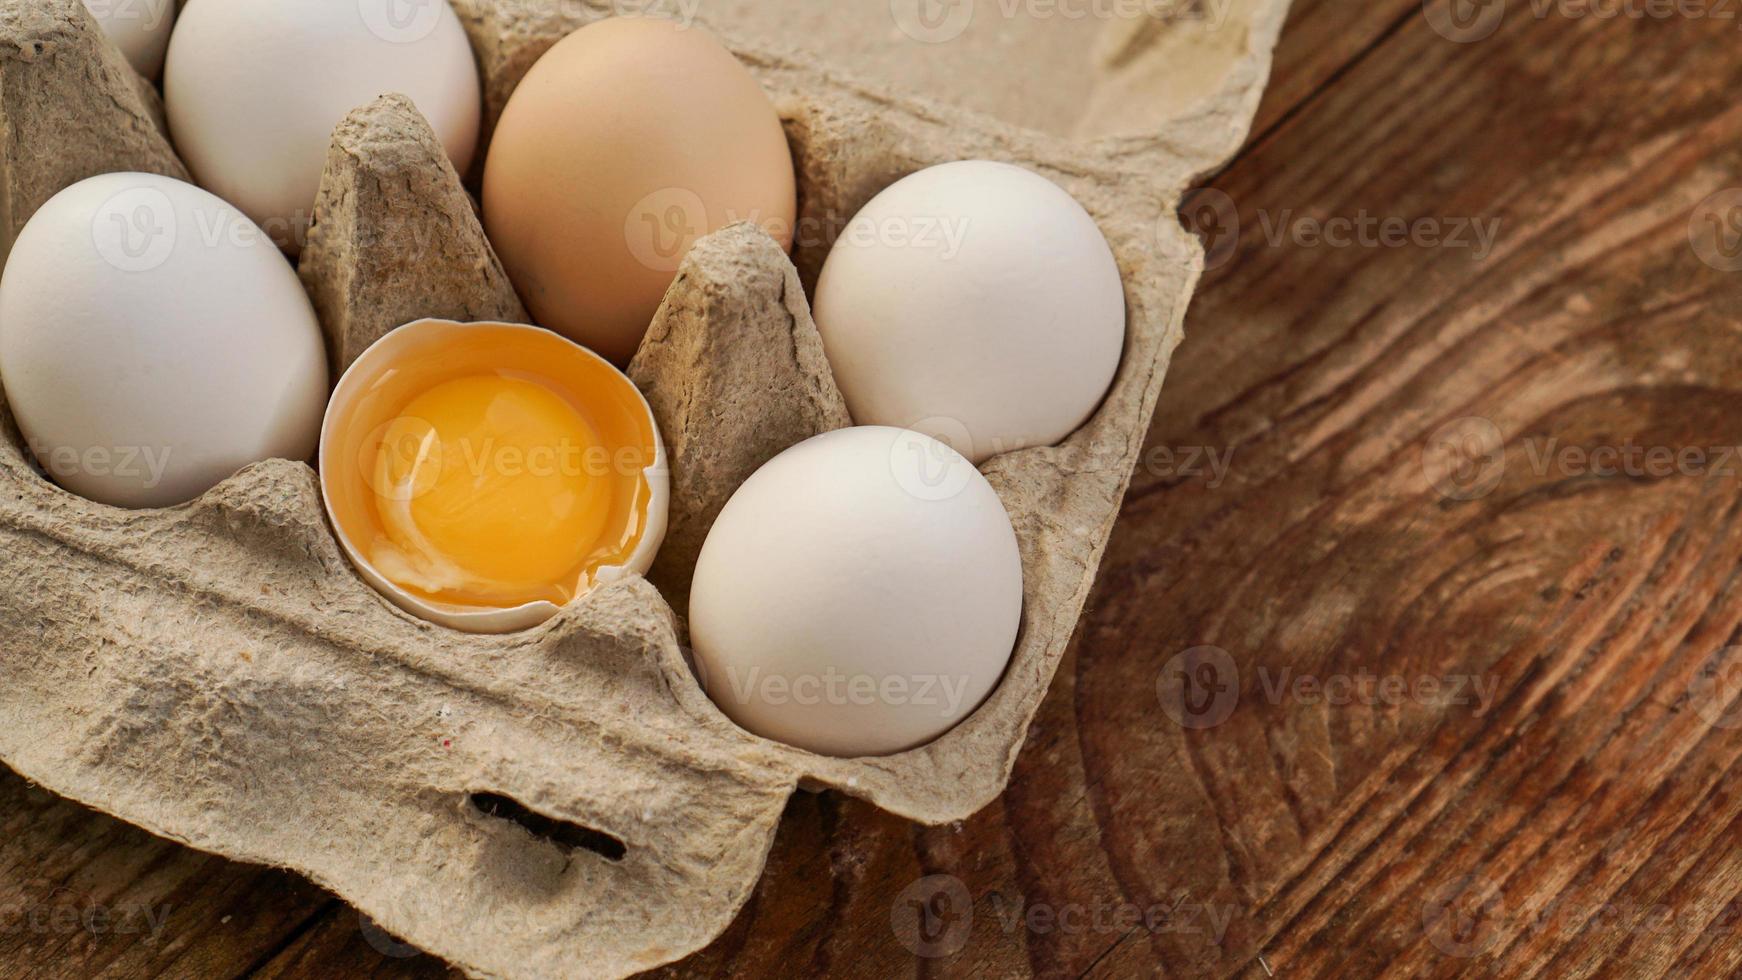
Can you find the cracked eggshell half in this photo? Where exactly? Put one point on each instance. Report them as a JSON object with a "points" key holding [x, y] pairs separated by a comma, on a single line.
{"points": [[482, 476]]}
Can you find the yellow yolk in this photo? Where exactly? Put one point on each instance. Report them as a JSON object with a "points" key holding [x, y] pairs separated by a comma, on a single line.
{"points": [[478, 473], [486, 487]]}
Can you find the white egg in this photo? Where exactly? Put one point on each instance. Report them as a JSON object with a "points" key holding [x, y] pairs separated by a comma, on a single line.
{"points": [[254, 88], [139, 27], [859, 595], [977, 302], [153, 341]]}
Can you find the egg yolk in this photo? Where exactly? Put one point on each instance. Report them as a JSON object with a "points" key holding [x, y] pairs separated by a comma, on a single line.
{"points": [[499, 488], [484, 489]]}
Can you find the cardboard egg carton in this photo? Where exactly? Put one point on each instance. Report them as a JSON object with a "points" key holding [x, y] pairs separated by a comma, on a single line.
{"points": [[566, 801]]}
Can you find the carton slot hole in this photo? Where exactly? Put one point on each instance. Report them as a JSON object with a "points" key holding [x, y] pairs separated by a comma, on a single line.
{"points": [[564, 834]]}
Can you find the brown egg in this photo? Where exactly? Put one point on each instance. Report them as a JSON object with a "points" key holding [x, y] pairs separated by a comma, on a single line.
{"points": [[626, 142]]}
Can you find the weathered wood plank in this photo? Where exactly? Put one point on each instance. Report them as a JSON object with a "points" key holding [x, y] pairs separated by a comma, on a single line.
{"points": [[84, 895]]}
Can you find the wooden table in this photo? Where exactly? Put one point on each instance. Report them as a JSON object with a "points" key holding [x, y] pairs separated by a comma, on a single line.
{"points": [[1416, 649]]}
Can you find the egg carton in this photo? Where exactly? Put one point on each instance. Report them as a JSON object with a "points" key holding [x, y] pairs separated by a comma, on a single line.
{"points": [[564, 801]]}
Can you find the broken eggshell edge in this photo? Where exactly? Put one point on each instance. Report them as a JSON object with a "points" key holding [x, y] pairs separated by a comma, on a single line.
{"points": [[370, 365]]}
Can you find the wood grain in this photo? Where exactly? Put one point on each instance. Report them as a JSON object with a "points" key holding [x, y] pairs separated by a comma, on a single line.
{"points": [[1398, 507]]}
